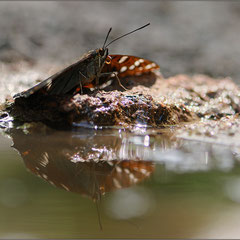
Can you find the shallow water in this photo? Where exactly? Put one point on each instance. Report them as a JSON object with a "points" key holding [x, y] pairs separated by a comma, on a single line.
{"points": [[104, 183]]}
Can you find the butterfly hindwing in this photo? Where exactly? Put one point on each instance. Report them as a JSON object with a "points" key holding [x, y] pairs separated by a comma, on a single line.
{"points": [[126, 65]]}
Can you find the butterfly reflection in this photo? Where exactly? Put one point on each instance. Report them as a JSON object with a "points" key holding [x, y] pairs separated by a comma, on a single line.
{"points": [[89, 163]]}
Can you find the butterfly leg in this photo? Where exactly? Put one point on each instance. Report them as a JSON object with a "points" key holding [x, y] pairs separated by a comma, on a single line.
{"points": [[115, 75], [97, 82], [80, 82], [119, 82], [96, 70]]}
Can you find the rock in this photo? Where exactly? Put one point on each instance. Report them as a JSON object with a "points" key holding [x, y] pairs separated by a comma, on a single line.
{"points": [[167, 102]]}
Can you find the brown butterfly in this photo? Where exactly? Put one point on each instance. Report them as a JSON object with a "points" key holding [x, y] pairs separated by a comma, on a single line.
{"points": [[92, 66]]}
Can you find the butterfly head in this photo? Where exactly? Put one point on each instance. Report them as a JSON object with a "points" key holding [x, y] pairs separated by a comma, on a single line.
{"points": [[103, 52], [102, 55]]}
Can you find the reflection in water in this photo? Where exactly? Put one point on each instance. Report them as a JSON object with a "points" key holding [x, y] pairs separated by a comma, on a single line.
{"points": [[87, 162], [93, 162]]}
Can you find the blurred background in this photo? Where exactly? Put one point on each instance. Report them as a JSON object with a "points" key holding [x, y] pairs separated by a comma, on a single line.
{"points": [[184, 36]]}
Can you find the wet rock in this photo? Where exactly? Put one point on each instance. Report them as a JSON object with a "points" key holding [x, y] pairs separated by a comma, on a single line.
{"points": [[225, 131], [102, 109], [169, 101]]}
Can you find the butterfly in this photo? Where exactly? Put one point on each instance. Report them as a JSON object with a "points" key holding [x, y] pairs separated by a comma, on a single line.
{"points": [[93, 68]]}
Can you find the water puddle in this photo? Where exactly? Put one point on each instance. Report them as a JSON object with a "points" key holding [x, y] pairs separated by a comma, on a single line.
{"points": [[115, 183]]}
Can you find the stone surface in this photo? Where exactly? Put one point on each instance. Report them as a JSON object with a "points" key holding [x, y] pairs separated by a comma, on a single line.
{"points": [[167, 102]]}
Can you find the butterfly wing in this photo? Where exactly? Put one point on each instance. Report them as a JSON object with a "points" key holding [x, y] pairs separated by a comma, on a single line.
{"points": [[61, 82], [126, 65]]}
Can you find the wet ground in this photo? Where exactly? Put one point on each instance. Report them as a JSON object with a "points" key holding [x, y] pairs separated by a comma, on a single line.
{"points": [[111, 182]]}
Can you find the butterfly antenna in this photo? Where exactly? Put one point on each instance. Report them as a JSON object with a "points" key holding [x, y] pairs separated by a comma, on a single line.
{"points": [[107, 37], [125, 34]]}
